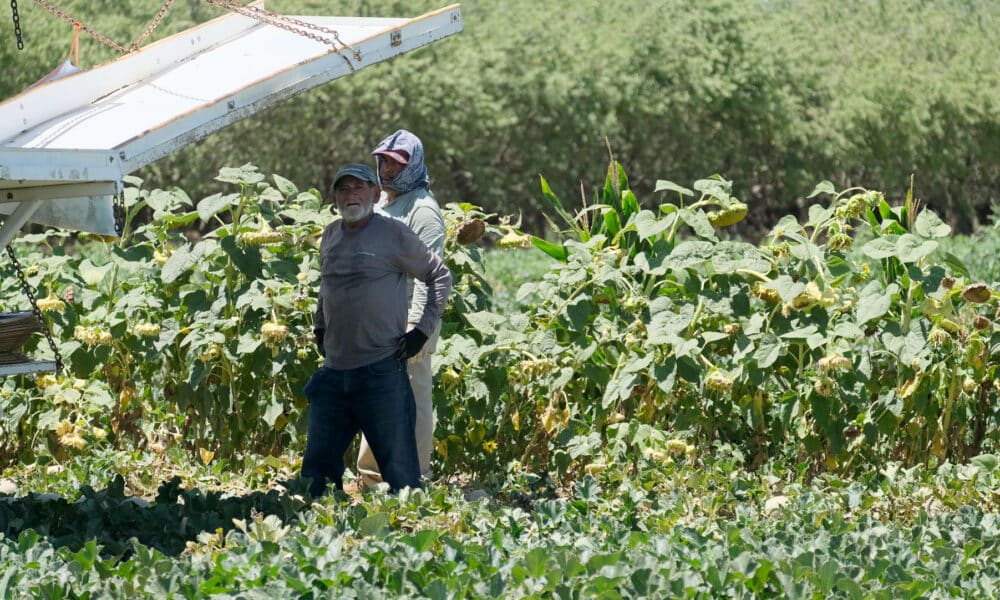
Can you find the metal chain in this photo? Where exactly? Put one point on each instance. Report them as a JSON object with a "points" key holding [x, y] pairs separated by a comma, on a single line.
{"points": [[26, 288], [291, 24], [152, 26], [17, 25], [118, 209], [95, 34]]}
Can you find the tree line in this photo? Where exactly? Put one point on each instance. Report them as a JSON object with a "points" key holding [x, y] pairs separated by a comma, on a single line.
{"points": [[774, 95]]}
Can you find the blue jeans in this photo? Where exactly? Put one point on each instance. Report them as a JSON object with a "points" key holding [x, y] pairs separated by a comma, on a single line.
{"points": [[375, 399]]}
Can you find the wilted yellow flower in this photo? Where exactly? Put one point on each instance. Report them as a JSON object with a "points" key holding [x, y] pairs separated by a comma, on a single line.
{"points": [[939, 337], [98, 433], [442, 448], [731, 328], [213, 352], [450, 377], [273, 332], [50, 303], [512, 239], [766, 294], [160, 258], [595, 468], [615, 417], [490, 446], [541, 366], [72, 440], [550, 419], [92, 335], [264, 235], [206, 455], [64, 427], [729, 216], [677, 446], [807, 297], [149, 330], [824, 386], [718, 381], [46, 380], [833, 362]]}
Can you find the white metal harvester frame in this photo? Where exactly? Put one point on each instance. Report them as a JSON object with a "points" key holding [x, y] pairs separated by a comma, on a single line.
{"points": [[65, 145]]}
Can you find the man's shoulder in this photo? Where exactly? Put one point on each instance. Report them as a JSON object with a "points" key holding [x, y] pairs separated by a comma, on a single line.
{"points": [[421, 197], [383, 222]]}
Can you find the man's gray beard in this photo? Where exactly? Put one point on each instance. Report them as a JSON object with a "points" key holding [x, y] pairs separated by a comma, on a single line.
{"points": [[361, 217]]}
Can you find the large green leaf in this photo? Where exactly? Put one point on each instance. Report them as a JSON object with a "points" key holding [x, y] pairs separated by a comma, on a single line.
{"points": [[212, 205], [647, 225], [823, 187], [246, 174], [874, 301], [91, 274], [929, 225], [180, 261], [698, 222], [662, 185], [879, 248], [769, 350], [247, 259], [910, 248]]}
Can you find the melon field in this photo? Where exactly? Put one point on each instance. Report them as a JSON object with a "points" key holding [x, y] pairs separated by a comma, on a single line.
{"points": [[642, 405]]}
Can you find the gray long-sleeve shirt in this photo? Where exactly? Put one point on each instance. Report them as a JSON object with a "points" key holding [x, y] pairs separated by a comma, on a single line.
{"points": [[421, 213], [363, 290]]}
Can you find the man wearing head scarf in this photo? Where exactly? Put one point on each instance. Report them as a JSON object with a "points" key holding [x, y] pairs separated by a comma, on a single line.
{"points": [[407, 197]]}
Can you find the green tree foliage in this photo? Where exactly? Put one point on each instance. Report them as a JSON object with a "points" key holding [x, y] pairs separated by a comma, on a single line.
{"points": [[776, 95]]}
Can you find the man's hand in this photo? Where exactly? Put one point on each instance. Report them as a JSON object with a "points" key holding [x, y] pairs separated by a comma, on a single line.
{"points": [[320, 335], [411, 343]]}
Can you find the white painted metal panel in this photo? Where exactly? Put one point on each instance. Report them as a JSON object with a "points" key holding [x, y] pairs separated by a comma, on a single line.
{"points": [[101, 124]]}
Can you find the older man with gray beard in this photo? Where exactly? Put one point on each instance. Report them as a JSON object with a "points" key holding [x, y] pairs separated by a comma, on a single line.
{"points": [[366, 262]]}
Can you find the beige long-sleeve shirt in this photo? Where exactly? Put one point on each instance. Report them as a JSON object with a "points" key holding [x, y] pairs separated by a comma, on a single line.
{"points": [[363, 301]]}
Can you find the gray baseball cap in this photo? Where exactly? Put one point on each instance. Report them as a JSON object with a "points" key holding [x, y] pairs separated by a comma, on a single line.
{"points": [[362, 172]]}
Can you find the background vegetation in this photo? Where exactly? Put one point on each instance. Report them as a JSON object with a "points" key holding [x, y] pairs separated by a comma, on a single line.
{"points": [[773, 95]]}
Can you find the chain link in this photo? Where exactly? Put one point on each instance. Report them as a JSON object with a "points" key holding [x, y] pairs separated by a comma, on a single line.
{"points": [[156, 21], [95, 34], [291, 24], [26, 288], [17, 25], [118, 209]]}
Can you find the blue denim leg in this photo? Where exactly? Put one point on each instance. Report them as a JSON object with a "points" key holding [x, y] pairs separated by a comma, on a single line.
{"points": [[376, 399], [332, 426], [388, 419]]}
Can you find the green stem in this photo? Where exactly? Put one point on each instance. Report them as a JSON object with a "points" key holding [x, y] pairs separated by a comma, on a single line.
{"points": [[949, 405], [908, 308], [566, 302], [697, 315]]}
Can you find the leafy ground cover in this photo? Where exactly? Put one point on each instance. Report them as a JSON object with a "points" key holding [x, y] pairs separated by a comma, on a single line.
{"points": [[687, 528], [659, 409]]}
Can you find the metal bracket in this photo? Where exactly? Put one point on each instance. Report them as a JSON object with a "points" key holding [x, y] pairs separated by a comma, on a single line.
{"points": [[395, 38]]}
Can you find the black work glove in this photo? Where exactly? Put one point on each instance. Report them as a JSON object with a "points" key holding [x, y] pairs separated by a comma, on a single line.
{"points": [[411, 343], [320, 334]]}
